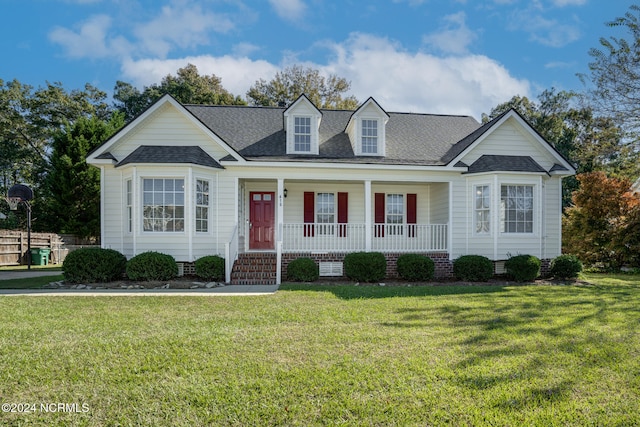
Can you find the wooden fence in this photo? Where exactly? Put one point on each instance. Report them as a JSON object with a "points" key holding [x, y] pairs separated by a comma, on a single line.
{"points": [[13, 246]]}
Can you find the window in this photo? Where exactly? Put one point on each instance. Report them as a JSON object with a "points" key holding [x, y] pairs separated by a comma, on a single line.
{"points": [[202, 205], [325, 213], [163, 205], [129, 206], [395, 213], [482, 209], [516, 203], [302, 134], [369, 136]]}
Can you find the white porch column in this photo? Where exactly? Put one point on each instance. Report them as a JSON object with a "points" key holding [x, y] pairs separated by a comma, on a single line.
{"points": [[367, 215], [280, 211]]}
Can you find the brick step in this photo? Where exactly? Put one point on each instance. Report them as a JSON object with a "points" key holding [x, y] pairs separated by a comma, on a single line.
{"points": [[254, 269]]}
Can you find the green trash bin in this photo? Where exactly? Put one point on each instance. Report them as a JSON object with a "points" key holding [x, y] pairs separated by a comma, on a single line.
{"points": [[40, 256]]}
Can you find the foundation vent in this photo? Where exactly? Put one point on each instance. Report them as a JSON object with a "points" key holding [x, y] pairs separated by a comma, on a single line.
{"points": [[330, 269]]}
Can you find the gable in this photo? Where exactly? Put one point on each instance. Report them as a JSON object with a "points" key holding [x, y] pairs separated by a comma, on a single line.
{"points": [[163, 125], [510, 136]]}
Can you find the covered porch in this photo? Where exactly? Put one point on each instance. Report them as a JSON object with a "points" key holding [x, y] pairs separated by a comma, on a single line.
{"points": [[294, 216]]}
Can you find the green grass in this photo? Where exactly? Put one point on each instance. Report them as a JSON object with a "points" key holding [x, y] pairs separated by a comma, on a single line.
{"points": [[30, 282], [330, 355]]}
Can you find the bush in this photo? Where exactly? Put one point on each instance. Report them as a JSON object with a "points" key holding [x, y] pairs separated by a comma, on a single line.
{"points": [[365, 266], [92, 265], [473, 268], [210, 267], [303, 270], [565, 267], [523, 267], [415, 267], [152, 266]]}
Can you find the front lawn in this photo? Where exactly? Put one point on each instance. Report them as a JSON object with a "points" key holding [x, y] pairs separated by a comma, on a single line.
{"points": [[332, 355]]}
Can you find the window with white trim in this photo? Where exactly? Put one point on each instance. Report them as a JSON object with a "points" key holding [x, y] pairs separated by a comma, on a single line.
{"points": [[163, 204], [202, 205], [129, 205], [369, 136], [326, 213], [395, 213], [482, 209], [302, 134], [516, 202]]}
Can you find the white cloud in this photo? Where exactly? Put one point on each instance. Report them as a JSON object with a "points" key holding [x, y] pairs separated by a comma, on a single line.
{"points": [[454, 38], [237, 73], [90, 40], [184, 26], [562, 3], [399, 80], [289, 10], [549, 32]]}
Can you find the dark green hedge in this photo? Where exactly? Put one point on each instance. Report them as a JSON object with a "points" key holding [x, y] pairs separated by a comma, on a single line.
{"points": [[365, 266], [152, 266], [415, 267], [303, 270], [473, 268], [523, 267], [565, 267], [93, 265], [210, 267]]}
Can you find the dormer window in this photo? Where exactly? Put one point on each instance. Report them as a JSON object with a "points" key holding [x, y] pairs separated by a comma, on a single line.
{"points": [[366, 129], [302, 126], [302, 134], [369, 136]]}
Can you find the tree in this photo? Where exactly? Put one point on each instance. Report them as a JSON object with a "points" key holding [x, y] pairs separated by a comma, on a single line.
{"points": [[596, 228], [615, 72], [294, 81], [74, 186], [187, 86], [28, 120]]}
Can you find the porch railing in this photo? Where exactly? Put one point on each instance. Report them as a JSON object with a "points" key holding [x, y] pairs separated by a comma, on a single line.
{"points": [[316, 237], [230, 253]]}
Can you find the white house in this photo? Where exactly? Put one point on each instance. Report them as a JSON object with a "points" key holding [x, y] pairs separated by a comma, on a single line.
{"points": [[261, 186]]}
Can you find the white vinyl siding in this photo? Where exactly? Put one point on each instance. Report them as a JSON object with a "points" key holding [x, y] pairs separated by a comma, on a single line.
{"points": [[129, 206]]}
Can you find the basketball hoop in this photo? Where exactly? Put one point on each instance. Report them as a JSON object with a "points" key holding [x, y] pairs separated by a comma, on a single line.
{"points": [[14, 202]]}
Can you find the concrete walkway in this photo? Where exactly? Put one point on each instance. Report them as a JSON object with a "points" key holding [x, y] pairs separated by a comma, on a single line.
{"points": [[22, 274], [231, 290]]}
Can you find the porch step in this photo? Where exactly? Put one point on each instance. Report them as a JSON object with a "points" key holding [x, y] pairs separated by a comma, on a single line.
{"points": [[254, 269]]}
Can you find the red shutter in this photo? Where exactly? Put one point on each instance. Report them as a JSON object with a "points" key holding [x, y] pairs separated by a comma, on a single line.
{"points": [[343, 214], [309, 213], [379, 216], [412, 214]]}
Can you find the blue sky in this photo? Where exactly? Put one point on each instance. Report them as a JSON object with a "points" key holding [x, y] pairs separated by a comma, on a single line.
{"points": [[431, 56]]}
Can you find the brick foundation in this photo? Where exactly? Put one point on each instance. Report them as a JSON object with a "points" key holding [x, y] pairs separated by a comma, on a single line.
{"points": [[443, 267]]}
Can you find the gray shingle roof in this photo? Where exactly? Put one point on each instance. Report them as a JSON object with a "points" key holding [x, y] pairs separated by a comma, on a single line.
{"points": [[170, 154], [257, 133], [493, 163]]}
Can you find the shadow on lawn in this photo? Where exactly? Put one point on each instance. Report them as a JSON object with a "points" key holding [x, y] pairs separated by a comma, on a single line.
{"points": [[349, 292]]}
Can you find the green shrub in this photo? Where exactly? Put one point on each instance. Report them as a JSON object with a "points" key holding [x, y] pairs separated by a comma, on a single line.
{"points": [[565, 267], [474, 268], [523, 267], [210, 267], [152, 266], [415, 267], [92, 265], [365, 266], [303, 270]]}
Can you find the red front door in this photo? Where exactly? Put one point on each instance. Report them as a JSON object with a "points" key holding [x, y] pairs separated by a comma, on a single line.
{"points": [[261, 220]]}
